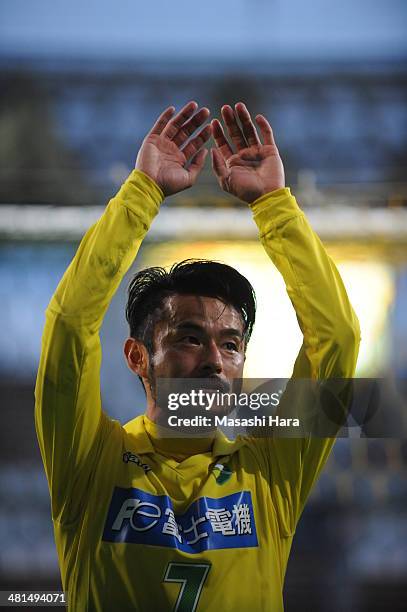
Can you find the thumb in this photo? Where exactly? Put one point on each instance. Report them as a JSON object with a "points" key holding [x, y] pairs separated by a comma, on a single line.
{"points": [[197, 165]]}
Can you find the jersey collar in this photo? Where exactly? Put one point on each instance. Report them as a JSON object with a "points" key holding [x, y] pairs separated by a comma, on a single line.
{"points": [[142, 443]]}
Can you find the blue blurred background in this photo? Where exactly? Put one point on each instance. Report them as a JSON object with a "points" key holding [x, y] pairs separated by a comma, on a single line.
{"points": [[81, 84]]}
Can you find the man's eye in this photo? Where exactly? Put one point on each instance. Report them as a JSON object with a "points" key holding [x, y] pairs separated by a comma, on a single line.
{"points": [[190, 340], [231, 346]]}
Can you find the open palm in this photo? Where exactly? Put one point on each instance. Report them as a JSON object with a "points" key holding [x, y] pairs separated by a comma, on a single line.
{"points": [[166, 150], [256, 168]]}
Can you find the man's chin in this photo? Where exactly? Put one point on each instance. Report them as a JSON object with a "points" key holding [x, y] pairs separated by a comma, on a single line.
{"points": [[189, 412]]}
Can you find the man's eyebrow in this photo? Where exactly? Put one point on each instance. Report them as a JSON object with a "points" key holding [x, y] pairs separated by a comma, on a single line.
{"points": [[232, 331], [228, 331]]}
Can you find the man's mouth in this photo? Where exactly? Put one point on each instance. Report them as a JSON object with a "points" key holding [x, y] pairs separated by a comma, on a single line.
{"points": [[213, 383]]}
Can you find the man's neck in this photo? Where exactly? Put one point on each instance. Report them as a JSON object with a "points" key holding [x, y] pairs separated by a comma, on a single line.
{"points": [[175, 443]]}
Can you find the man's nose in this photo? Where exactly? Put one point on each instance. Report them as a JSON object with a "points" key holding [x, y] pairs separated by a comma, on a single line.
{"points": [[212, 362]]}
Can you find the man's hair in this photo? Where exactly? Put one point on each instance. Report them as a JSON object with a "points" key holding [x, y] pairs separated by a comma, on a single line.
{"points": [[150, 287]]}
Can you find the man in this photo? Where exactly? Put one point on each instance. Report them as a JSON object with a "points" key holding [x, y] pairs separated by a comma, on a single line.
{"points": [[145, 522]]}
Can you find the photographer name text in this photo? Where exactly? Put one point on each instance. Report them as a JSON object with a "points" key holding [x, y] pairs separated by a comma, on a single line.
{"points": [[226, 421]]}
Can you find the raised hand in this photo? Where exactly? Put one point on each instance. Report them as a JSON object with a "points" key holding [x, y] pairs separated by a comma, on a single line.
{"points": [[255, 168], [168, 148]]}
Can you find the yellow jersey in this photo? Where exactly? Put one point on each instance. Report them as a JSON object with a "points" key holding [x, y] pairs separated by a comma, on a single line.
{"points": [[138, 527]]}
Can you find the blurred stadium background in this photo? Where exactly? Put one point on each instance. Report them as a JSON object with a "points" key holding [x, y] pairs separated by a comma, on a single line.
{"points": [[80, 87]]}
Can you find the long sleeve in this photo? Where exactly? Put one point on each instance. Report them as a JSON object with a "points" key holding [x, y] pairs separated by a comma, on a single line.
{"points": [[70, 423], [327, 320], [331, 337]]}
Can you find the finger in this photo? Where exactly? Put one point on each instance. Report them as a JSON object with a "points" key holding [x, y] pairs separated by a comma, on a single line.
{"points": [[191, 126], [220, 139], [232, 125], [162, 121], [218, 164], [197, 142], [265, 130], [197, 165], [180, 118], [249, 131]]}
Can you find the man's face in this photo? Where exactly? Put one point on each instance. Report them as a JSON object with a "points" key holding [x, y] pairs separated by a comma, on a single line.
{"points": [[198, 337]]}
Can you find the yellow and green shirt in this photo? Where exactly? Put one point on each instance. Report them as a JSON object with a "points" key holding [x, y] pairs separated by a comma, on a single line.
{"points": [[146, 524]]}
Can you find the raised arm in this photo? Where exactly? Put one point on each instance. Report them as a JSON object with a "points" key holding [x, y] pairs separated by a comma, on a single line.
{"points": [[255, 174], [70, 423], [329, 325]]}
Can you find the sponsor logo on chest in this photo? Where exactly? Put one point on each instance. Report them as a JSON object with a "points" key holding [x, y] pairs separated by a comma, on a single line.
{"points": [[138, 517]]}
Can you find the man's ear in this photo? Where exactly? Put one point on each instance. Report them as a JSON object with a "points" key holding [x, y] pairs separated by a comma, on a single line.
{"points": [[136, 356]]}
